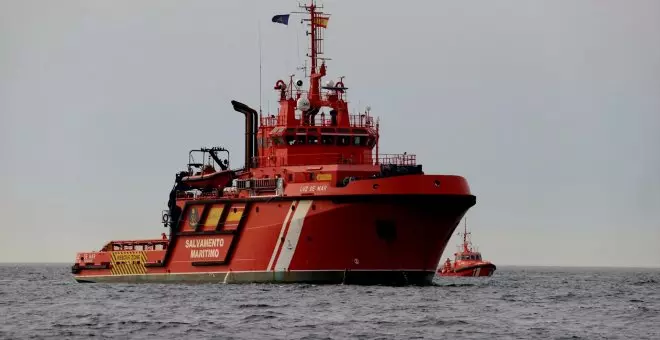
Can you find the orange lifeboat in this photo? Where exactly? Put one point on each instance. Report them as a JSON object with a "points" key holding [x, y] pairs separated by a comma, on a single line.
{"points": [[467, 261]]}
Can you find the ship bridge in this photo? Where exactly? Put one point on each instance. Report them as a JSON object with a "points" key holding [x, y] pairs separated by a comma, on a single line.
{"points": [[312, 125], [321, 137]]}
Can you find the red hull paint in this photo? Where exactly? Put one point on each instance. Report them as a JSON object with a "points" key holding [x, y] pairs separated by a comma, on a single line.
{"points": [[377, 234], [479, 269], [312, 203]]}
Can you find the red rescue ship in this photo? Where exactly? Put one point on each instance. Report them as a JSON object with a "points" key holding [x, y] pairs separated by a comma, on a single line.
{"points": [[314, 201], [467, 261]]}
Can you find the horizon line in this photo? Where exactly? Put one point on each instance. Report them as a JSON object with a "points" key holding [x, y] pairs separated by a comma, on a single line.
{"points": [[499, 265]]}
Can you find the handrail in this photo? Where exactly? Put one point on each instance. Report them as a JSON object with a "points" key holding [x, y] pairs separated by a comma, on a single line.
{"points": [[335, 158], [320, 120]]}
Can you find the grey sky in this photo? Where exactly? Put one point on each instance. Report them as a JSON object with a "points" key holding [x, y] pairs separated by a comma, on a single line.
{"points": [[551, 109]]}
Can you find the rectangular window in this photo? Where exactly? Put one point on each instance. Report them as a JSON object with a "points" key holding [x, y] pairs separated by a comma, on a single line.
{"points": [[328, 140], [343, 140]]}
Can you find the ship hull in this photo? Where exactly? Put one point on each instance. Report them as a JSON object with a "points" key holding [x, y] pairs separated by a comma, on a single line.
{"points": [[358, 277], [390, 240], [476, 270]]}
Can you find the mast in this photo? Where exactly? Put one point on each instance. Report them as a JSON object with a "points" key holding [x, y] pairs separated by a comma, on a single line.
{"points": [[260, 66], [317, 22], [465, 234], [312, 15]]}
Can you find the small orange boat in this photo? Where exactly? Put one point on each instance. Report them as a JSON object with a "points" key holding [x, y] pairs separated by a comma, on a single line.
{"points": [[467, 261]]}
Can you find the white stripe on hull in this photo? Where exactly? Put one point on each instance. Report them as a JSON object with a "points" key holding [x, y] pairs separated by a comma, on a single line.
{"points": [[281, 236], [293, 236]]}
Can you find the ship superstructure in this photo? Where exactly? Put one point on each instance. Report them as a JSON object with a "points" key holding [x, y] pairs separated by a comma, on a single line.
{"points": [[314, 201]]}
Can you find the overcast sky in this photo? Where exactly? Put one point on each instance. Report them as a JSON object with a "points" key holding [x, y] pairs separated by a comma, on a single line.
{"points": [[550, 109]]}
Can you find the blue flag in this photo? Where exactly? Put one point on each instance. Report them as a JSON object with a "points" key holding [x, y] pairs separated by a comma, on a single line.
{"points": [[281, 19]]}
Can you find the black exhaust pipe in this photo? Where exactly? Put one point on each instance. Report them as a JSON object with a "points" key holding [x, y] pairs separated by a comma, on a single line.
{"points": [[250, 135], [255, 145], [311, 115]]}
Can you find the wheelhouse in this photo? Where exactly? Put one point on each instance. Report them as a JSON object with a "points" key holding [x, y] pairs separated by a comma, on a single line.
{"points": [[468, 257]]}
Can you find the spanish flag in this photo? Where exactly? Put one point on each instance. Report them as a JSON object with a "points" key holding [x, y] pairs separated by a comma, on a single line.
{"points": [[321, 21]]}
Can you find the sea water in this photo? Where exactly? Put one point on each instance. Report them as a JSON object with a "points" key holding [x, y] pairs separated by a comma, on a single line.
{"points": [[42, 301]]}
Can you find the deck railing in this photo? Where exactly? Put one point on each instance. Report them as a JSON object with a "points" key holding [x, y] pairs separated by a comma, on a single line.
{"points": [[320, 120], [397, 159], [335, 158]]}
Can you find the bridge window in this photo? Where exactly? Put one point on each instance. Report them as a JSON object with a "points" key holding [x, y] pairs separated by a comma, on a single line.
{"points": [[300, 140], [312, 139], [343, 140], [370, 141], [360, 140], [327, 140], [289, 139]]}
